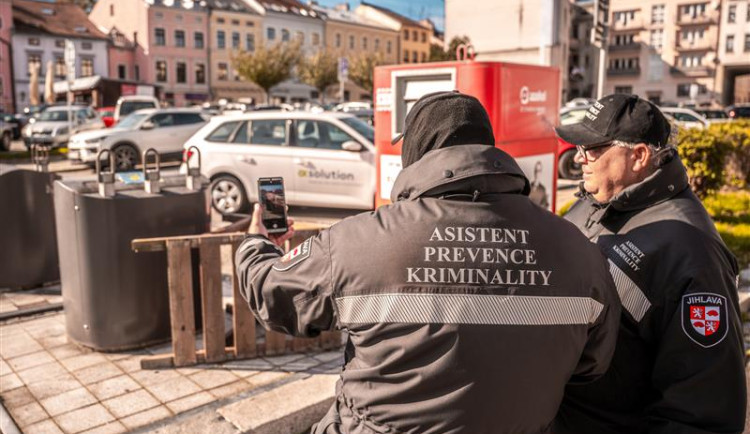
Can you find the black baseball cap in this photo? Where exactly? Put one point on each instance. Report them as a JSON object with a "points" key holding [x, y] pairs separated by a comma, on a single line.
{"points": [[618, 117]]}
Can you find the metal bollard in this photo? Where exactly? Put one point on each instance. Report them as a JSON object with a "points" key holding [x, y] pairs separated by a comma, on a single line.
{"points": [[151, 178], [106, 179], [40, 157], [193, 180]]}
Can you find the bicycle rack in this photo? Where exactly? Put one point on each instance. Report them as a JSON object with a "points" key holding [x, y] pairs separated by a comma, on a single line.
{"points": [[40, 157], [106, 179], [193, 179], [151, 178]]}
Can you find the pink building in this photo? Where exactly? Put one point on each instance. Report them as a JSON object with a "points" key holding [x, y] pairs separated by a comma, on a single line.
{"points": [[170, 39], [6, 64], [121, 52]]}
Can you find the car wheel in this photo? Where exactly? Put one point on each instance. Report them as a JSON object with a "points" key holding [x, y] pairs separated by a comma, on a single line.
{"points": [[228, 196], [567, 167], [126, 157], [5, 142]]}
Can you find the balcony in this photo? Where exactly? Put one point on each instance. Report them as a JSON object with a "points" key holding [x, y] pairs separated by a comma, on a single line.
{"points": [[634, 24], [624, 72], [691, 71], [697, 19], [700, 45], [634, 46]]}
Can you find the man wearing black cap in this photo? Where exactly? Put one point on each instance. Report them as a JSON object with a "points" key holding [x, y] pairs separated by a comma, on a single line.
{"points": [[466, 306], [679, 365]]}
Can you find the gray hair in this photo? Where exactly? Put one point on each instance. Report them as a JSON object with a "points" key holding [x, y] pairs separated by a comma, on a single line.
{"points": [[660, 155]]}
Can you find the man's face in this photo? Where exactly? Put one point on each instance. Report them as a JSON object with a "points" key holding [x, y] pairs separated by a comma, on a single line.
{"points": [[607, 171]]}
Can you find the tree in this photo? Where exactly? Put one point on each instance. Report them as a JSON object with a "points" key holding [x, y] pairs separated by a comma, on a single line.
{"points": [[437, 54], [268, 66], [319, 71], [362, 68]]}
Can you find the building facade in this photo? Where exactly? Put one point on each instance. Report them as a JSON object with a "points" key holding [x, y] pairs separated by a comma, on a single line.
{"points": [[234, 27], [733, 70], [170, 39], [583, 59], [414, 37], [40, 31], [6, 61]]}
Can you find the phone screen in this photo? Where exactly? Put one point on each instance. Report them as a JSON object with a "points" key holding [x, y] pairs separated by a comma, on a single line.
{"points": [[272, 198]]}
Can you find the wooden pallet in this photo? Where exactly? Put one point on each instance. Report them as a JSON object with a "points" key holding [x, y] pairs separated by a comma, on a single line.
{"points": [[182, 311]]}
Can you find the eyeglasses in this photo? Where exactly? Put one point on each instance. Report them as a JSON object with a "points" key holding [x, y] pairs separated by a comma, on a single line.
{"points": [[591, 153]]}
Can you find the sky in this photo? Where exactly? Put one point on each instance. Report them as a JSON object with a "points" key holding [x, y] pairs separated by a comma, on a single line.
{"points": [[414, 9]]}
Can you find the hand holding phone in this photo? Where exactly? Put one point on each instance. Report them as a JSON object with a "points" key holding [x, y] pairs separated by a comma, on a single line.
{"points": [[271, 197]]}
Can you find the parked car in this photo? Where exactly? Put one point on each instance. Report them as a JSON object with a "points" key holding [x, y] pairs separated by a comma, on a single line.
{"points": [[713, 116], [14, 123], [55, 125], [326, 159], [165, 130], [567, 167], [6, 135], [352, 106], [739, 111], [580, 102], [685, 117], [108, 115], [129, 104]]}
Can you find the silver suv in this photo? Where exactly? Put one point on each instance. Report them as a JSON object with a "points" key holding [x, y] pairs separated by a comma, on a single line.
{"points": [[54, 126]]}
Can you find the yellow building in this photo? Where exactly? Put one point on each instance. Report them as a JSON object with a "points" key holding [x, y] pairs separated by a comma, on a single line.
{"points": [[414, 37]]}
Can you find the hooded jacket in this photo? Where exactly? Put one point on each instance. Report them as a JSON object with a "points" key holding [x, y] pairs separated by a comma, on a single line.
{"points": [[679, 363], [467, 308]]}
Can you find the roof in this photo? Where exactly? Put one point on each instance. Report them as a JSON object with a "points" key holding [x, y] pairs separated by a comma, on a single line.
{"points": [[178, 4], [230, 6], [347, 17], [289, 7], [62, 19], [398, 17]]}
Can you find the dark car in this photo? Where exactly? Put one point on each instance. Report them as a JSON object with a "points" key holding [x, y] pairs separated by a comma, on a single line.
{"points": [[739, 111], [14, 123], [713, 114]]}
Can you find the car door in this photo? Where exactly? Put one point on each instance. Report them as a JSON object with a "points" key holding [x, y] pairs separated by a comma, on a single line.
{"points": [[326, 175], [186, 124], [162, 136]]}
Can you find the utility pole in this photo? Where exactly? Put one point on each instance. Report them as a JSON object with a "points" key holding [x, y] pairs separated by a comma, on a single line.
{"points": [[599, 35]]}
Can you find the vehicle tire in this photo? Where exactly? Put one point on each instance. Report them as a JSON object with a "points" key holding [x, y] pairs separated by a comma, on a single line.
{"points": [[5, 141], [228, 195], [567, 167], [126, 157]]}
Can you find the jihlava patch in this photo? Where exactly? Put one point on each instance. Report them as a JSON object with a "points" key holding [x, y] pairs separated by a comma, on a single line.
{"points": [[294, 256], [705, 318]]}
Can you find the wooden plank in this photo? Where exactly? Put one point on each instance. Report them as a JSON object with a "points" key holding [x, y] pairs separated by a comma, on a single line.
{"points": [[275, 343], [158, 362], [160, 243], [213, 315], [244, 321], [301, 345], [181, 310]]}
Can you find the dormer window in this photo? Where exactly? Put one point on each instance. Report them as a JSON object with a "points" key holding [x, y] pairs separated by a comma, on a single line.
{"points": [[80, 29], [48, 11]]}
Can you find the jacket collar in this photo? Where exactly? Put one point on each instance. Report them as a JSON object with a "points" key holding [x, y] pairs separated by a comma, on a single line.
{"points": [[460, 169]]}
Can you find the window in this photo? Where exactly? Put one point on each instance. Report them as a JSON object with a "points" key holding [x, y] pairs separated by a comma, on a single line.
{"points": [[268, 132], [222, 133], [34, 41], [351, 42], [235, 22], [271, 33], [300, 36], [86, 45], [223, 74], [179, 38], [163, 120], [221, 41], [250, 42], [657, 14], [747, 14], [121, 72], [220, 20], [624, 17], [111, 10], [181, 72], [137, 72], [200, 73], [406, 56], [187, 118], [656, 39], [388, 46], [364, 42], [747, 42], [161, 70], [683, 89], [33, 61], [60, 67], [732, 14], [338, 40], [161, 39], [159, 15], [316, 39], [241, 135], [625, 39], [424, 37], [198, 39], [406, 35], [691, 60], [414, 36], [730, 44], [377, 44], [285, 35], [249, 23], [624, 89], [87, 67], [320, 135], [236, 40], [423, 57], [60, 43], [414, 57], [694, 10], [178, 18]]}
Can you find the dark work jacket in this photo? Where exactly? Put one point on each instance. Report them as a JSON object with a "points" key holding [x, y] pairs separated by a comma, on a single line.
{"points": [[674, 371], [467, 307]]}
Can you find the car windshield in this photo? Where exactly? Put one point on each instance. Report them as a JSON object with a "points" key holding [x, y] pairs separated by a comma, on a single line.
{"points": [[361, 127], [714, 114], [53, 115], [128, 107], [130, 121]]}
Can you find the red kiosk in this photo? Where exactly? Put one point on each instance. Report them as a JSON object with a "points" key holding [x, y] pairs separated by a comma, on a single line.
{"points": [[521, 100]]}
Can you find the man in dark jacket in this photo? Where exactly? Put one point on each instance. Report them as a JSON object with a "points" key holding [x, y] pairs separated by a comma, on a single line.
{"points": [[678, 366], [466, 306]]}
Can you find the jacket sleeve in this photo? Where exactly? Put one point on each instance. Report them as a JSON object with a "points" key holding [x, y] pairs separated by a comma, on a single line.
{"points": [[701, 384], [602, 335], [289, 293]]}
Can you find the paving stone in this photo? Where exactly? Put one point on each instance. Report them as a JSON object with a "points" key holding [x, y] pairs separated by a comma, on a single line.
{"points": [[47, 426], [329, 356], [66, 351], [212, 378], [190, 371], [28, 414], [257, 364], [50, 330], [266, 377], [84, 360], [283, 360], [114, 387], [130, 403], [231, 389], [243, 373], [110, 428], [119, 356], [327, 368], [129, 364], [17, 397], [7, 306], [301, 365], [146, 417], [174, 389], [9, 382], [84, 418], [30, 360], [68, 401], [43, 372], [54, 386], [190, 402], [50, 342], [4, 368], [150, 378], [15, 347], [96, 373]]}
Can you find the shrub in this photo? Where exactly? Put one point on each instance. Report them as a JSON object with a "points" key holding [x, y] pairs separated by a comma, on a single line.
{"points": [[737, 239]]}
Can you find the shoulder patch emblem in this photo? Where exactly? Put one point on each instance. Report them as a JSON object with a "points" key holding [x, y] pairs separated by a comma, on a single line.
{"points": [[294, 256], [705, 318]]}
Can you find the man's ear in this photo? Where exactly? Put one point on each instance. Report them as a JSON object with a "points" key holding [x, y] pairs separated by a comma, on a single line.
{"points": [[641, 157]]}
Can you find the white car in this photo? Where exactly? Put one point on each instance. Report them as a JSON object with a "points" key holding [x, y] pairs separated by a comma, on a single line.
{"points": [[131, 103], [685, 117], [326, 159]]}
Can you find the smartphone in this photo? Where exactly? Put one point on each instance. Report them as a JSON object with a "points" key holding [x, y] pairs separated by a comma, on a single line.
{"points": [[272, 198]]}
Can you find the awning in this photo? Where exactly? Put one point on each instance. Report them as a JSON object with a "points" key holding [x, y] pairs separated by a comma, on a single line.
{"points": [[82, 83]]}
